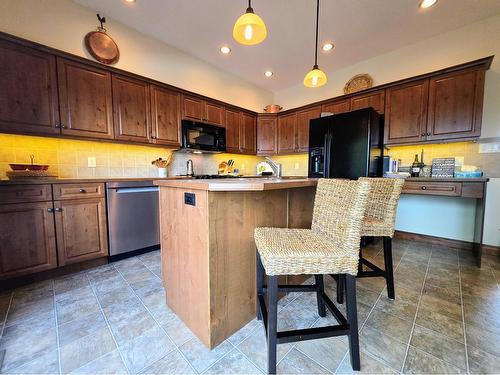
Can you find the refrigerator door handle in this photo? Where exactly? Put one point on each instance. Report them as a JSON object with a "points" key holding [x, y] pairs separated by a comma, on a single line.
{"points": [[328, 144]]}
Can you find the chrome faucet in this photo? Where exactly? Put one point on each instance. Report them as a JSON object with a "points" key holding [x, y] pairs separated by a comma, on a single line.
{"points": [[189, 168], [276, 167]]}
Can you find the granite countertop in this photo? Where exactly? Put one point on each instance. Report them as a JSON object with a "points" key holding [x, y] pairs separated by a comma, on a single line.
{"points": [[239, 184], [451, 179], [80, 180]]}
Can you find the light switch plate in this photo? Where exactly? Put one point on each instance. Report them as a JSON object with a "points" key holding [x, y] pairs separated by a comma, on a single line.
{"points": [[297, 166], [91, 162]]}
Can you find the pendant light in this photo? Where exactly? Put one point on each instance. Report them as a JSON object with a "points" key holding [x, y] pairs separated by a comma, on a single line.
{"points": [[249, 28], [316, 77]]}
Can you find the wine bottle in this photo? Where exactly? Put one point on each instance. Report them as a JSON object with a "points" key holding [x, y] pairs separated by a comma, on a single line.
{"points": [[415, 167]]}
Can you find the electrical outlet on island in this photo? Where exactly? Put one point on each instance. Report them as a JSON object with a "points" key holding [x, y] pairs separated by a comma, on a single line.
{"points": [[297, 166], [91, 162]]}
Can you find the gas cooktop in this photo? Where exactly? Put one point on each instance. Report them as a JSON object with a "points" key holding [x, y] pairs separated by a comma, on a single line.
{"points": [[212, 176]]}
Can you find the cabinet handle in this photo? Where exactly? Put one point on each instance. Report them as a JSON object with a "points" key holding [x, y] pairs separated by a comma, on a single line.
{"points": [[58, 126], [50, 210], [424, 187], [63, 126], [428, 134], [58, 209], [83, 191], [423, 134], [153, 137]]}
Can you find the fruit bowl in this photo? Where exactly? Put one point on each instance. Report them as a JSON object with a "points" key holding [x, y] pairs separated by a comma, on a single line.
{"points": [[19, 167], [38, 167]]}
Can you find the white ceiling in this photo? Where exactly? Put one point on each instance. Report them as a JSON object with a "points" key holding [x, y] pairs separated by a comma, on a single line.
{"points": [[360, 29]]}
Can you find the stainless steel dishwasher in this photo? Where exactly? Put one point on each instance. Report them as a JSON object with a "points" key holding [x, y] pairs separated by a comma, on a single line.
{"points": [[133, 220]]}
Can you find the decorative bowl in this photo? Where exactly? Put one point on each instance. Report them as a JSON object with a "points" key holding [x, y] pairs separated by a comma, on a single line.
{"points": [[38, 167], [19, 167]]}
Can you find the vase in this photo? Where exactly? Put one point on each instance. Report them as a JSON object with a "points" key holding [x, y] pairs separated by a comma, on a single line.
{"points": [[162, 172]]}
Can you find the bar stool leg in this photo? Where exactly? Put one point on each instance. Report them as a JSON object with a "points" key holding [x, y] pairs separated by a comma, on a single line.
{"points": [[340, 288], [388, 267], [352, 319], [259, 281], [272, 322], [321, 289]]}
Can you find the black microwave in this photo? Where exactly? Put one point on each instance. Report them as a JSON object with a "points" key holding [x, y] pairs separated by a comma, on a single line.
{"points": [[203, 137]]}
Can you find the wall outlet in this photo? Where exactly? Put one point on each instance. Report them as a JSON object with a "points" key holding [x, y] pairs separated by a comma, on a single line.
{"points": [[487, 148], [91, 162], [297, 166], [242, 167]]}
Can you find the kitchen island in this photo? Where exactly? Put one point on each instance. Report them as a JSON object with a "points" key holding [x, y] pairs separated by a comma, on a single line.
{"points": [[207, 245]]}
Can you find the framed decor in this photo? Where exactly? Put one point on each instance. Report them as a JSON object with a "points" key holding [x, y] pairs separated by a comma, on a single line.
{"points": [[101, 46], [358, 83]]}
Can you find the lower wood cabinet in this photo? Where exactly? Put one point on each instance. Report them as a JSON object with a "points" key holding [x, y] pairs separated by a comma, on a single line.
{"points": [[38, 233], [80, 229], [27, 239]]}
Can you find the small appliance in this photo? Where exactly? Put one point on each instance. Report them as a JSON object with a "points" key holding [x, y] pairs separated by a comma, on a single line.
{"points": [[199, 136]]}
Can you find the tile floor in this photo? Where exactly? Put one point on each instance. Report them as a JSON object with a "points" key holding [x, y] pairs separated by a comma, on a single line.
{"points": [[113, 319]]}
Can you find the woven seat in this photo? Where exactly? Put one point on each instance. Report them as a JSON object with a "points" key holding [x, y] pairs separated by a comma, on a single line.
{"points": [[301, 252], [331, 246]]}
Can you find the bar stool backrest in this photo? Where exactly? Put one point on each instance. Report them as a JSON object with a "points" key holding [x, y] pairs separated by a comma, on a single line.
{"points": [[339, 207], [382, 205]]}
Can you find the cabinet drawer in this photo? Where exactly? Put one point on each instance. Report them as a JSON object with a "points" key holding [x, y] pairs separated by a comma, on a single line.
{"points": [[75, 191], [25, 193], [450, 189]]}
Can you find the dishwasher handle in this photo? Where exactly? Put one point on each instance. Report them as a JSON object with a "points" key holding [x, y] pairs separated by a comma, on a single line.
{"points": [[135, 190]]}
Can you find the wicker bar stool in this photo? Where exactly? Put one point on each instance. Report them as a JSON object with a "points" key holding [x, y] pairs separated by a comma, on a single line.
{"points": [[379, 221], [331, 246]]}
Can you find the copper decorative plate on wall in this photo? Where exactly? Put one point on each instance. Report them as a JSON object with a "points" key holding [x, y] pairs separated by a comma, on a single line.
{"points": [[102, 47], [357, 83]]}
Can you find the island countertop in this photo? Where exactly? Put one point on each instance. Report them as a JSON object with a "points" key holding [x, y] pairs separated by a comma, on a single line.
{"points": [[239, 184]]}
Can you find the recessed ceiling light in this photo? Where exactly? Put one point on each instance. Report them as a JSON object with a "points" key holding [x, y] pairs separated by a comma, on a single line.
{"points": [[130, 1], [225, 50], [268, 73], [427, 3], [328, 46]]}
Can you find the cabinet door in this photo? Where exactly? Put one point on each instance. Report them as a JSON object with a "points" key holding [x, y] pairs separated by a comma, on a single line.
{"points": [[406, 113], [214, 114], [192, 108], [85, 100], [455, 105], [248, 129], [28, 90], [80, 230], [165, 110], [287, 125], [233, 140], [338, 106], [27, 239], [303, 118], [131, 109], [374, 99], [266, 134]]}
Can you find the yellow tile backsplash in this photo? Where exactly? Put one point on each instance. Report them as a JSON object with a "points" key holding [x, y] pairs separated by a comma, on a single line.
{"points": [[69, 158]]}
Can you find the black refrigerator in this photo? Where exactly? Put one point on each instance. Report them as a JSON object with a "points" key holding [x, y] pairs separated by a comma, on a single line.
{"points": [[346, 145]]}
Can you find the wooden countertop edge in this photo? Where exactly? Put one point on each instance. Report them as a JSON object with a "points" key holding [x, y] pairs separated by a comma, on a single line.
{"points": [[229, 185]]}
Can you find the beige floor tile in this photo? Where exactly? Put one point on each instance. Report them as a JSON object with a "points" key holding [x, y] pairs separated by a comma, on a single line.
{"points": [[369, 365], [399, 306], [233, 363], [108, 364], [70, 282], [419, 362], [391, 325], [327, 352], [386, 349], [135, 325], [481, 362], [46, 363], [172, 363], [80, 327], [442, 306], [440, 323], [296, 362], [450, 294], [244, 332], [177, 331], [483, 339], [200, 357]]}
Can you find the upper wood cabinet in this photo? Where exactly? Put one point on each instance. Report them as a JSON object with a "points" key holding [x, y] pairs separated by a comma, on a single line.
{"points": [[28, 90], [80, 229], [406, 113], [27, 239], [165, 116], [374, 99], [131, 109], [266, 134], [456, 105], [287, 127], [232, 121], [302, 131], [248, 133], [85, 100], [195, 108], [337, 106]]}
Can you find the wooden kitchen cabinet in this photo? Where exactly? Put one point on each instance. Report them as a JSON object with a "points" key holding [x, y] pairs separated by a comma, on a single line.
{"points": [[85, 100], [455, 105], [337, 106], [28, 90], [80, 230], [287, 127], [233, 120], [165, 116], [267, 134], [374, 99], [248, 133], [302, 131], [131, 109], [406, 113], [197, 109], [27, 239]]}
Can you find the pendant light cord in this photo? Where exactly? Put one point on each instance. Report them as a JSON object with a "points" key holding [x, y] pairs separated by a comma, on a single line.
{"points": [[249, 9], [317, 32]]}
